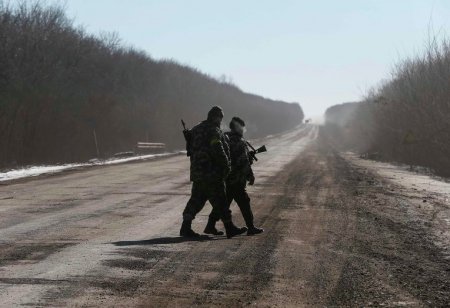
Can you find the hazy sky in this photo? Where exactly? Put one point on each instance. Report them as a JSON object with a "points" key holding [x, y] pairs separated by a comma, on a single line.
{"points": [[317, 53]]}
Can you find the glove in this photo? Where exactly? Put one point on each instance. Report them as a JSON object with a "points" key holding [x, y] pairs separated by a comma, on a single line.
{"points": [[251, 158], [251, 179]]}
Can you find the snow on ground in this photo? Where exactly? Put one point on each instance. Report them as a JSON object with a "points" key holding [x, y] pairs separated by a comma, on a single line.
{"points": [[39, 170], [402, 176], [432, 194]]}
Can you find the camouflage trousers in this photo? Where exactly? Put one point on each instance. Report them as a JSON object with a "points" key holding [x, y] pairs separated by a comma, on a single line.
{"points": [[212, 191], [237, 191]]}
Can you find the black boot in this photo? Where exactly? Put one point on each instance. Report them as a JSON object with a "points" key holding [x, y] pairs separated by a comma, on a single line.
{"points": [[211, 228], [254, 230], [186, 229], [232, 230]]}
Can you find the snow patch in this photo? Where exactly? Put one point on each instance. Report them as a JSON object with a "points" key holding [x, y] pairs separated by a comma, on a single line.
{"points": [[401, 175], [39, 170], [433, 195]]}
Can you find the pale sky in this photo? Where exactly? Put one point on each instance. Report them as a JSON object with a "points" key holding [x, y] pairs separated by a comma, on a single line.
{"points": [[317, 53]]}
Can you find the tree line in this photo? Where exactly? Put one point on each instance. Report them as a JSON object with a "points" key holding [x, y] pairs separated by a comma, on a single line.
{"points": [[406, 118], [59, 84]]}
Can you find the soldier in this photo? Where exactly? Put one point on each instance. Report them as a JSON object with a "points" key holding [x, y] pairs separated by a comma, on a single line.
{"points": [[241, 173], [210, 166]]}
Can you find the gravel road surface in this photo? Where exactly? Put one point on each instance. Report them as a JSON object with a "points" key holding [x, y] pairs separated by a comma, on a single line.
{"points": [[336, 234]]}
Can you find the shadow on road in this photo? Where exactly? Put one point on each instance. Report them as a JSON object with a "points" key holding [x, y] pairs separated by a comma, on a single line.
{"points": [[167, 240]]}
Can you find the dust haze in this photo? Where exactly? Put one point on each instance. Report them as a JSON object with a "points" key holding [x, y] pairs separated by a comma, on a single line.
{"points": [[127, 181]]}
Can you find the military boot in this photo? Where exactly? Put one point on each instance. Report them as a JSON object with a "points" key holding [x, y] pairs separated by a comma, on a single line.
{"points": [[232, 230], [254, 230], [211, 228], [186, 229]]}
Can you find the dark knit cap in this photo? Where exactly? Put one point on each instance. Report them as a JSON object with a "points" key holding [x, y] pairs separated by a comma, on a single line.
{"points": [[237, 120], [215, 112]]}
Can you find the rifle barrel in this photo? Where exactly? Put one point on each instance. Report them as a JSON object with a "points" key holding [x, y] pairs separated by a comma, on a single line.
{"points": [[251, 147]]}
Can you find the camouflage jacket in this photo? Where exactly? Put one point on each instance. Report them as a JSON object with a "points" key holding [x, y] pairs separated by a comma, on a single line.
{"points": [[210, 159], [241, 168]]}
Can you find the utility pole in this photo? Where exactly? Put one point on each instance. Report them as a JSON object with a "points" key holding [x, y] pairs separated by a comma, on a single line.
{"points": [[96, 144]]}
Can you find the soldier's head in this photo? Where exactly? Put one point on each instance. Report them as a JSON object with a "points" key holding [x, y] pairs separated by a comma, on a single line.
{"points": [[237, 125], [215, 115]]}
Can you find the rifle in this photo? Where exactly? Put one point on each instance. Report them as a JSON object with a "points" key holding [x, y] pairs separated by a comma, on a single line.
{"points": [[187, 136], [254, 151]]}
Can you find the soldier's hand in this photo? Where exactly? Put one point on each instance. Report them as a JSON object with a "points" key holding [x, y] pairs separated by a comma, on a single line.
{"points": [[251, 179], [251, 158]]}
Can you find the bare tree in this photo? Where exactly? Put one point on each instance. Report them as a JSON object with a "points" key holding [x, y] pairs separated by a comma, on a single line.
{"points": [[58, 84]]}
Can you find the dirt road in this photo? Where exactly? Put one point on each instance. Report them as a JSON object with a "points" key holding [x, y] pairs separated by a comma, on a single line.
{"points": [[336, 235]]}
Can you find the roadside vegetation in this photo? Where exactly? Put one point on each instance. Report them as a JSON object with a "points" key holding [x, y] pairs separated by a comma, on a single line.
{"points": [[406, 118], [59, 85]]}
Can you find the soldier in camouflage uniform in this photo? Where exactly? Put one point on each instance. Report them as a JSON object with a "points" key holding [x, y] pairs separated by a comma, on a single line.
{"points": [[241, 173], [210, 165]]}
